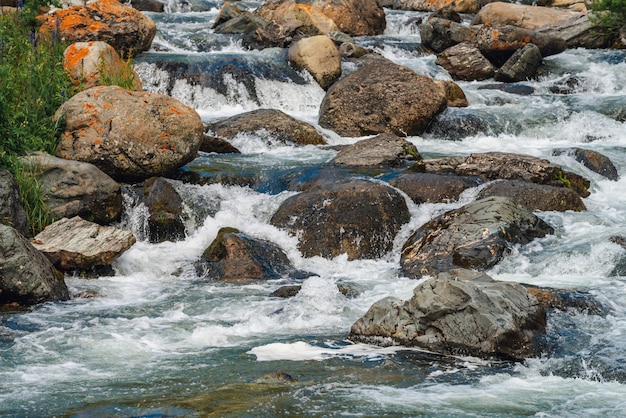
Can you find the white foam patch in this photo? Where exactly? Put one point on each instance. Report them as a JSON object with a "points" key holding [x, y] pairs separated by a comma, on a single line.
{"points": [[302, 351]]}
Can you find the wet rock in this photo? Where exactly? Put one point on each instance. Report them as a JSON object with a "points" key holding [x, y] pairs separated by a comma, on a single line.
{"points": [[229, 10], [534, 196], [26, 276], [154, 6], [381, 97], [569, 85], [354, 17], [308, 20], [272, 123], [433, 188], [89, 63], [459, 313], [357, 217], [352, 50], [165, 209], [319, 56], [565, 300], [217, 145], [523, 16], [439, 34], [453, 92], [124, 28], [76, 244], [129, 135], [593, 160], [246, 23], [261, 34], [455, 126], [73, 188], [458, 6], [465, 62], [519, 89], [11, 210], [522, 65], [384, 150], [475, 236], [286, 292], [235, 257]]}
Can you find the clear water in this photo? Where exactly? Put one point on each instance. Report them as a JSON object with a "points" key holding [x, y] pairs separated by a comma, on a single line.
{"points": [[157, 341]]}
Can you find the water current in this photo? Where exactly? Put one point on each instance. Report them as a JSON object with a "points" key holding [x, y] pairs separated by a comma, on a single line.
{"points": [[157, 341]]}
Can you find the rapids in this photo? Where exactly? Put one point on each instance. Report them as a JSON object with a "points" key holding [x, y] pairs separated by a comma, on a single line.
{"points": [[157, 341]]}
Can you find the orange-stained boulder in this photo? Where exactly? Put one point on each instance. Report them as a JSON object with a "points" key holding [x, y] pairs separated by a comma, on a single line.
{"points": [[124, 28]]}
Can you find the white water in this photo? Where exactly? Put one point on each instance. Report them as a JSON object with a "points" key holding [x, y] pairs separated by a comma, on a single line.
{"points": [[158, 341]]}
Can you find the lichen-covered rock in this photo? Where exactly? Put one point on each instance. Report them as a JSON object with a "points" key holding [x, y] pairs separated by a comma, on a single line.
{"points": [[76, 244], [319, 56], [534, 196], [73, 188], [433, 188], [384, 150], [465, 62], [475, 236], [358, 217], [26, 276], [129, 135], [12, 212], [460, 312], [271, 123], [124, 28], [381, 97]]}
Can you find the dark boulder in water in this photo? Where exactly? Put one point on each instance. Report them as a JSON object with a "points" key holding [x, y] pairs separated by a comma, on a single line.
{"points": [[384, 150], [165, 210], [455, 125], [593, 160], [534, 196], [433, 188]]}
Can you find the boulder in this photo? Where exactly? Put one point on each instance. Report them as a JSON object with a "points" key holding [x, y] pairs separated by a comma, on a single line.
{"points": [[129, 135], [154, 6], [235, 257], [245, 23], [12, 212], [381, 97], [96, 63], [433, 188], [309, 21], [26, 276], [124, 28], [579, 32], [459, 313], [455, 96], [522, 65], [272, 124], [459, 6], [593, 160], [506, 166], [358, 217], [73, 188], [217, 145], [567, 300], [319, 56], [521, 15], [229, 10], [352, 50], [354, 17], [439, 34], [165, 210], [534, 196], [384, 150], [465, 62], [260, 33], [454, 126], [475, 236], [76, 244], [519, 89]]}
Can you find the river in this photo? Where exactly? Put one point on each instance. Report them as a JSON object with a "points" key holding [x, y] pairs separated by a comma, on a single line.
{"points": [[156, 341]]}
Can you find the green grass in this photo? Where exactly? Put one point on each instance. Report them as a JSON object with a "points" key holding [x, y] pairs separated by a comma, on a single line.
{"points": [[609, 14]]}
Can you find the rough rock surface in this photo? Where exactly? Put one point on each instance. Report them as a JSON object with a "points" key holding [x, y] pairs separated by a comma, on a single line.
{"points": [[384, 150], [357, 217], [319, 56], [465, 62], [73, 188], [455, 96], [524, 16], [124, 28], [76, 244], [534, 196], [579, 32], [165, 209], [26, 275], [593, 160], [354, 17], [276, 124], [129, 135], [89, 63], [11, 210], [459, 6], [459, 313], [235, 257], [433, 188], [522, 65], [475, 236], [309, 21], [453, 125], [381, 97]]}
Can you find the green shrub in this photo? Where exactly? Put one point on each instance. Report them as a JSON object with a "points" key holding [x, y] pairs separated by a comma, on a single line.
{"points": [[609, 14]]}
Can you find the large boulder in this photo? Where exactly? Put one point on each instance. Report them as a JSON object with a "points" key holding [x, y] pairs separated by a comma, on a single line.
{"points": [[593, 160], [96, 63], [124, 28], [521, 15], [534, 196], [76, 244], [455, 96], [439, 34], [235, 257], [522, 65], [165, 210], [433, 188], [26, 275], [459, 6], [309, 21], [475, 236], [129, 135], [358, 217], [73, 188], [354, 17], [579, 32], [272, 124], [384, 150], [459, 313], [465, 62], [381, 97], [319, 56], [12, 212]]}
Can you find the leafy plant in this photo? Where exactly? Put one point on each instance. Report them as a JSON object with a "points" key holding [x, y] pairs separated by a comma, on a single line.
{"points": [[609, 14]]}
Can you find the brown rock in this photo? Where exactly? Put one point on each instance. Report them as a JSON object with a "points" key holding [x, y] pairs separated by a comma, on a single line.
{"points": [[319, 56], [433, 188], [453, 92], [384, 150], [593, 160], [459, 6], [523, 16], [465, 62], [534, 196], [308, 20], [354, 17]]}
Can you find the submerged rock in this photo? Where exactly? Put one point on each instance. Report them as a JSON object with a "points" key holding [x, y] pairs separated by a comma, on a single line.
{"points": [[475, 236], [534, 196], [76, 244], [27, 277], [460, 312], [357, 217], [433, 188]]}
